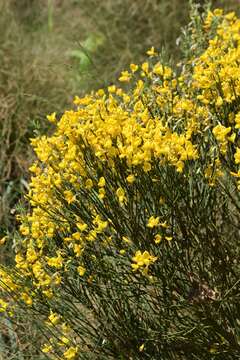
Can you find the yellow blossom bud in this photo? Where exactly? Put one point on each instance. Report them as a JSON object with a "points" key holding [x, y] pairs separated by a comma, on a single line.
{"points": [[145, 67], [71, 353], [152, 222], [101, 182], [133, 67], [52, 117], [157, 238], [125, 76], [131, 178], [81, 270], [151, 52]]}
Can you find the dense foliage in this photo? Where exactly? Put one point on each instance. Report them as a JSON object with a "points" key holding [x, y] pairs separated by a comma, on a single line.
{"points": [[131, 247], [53, 49]]}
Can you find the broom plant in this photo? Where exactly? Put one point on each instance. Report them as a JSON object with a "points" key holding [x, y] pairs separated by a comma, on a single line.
{"points": [[131, 247]]}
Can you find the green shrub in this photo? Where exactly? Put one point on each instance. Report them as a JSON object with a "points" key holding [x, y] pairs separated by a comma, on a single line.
{"points": [[131, 246], [51, 49]]}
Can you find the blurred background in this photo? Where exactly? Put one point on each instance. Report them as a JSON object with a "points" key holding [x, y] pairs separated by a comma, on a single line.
{"points": [[51, 50]]}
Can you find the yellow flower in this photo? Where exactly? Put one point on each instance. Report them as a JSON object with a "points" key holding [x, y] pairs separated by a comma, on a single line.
{"points": [[88, 184], [157, 238], [64, 341], [152, 222], [52, 117], [76, 236], [218, 12], [141, 348], [101, 193], [142, 260], [235, 174], [3, 305], [164, 225], [48, 293], [47, 348], [112, 89], [99, 93], [130, 178], [56, 261], [230, 16], [151, 52], [158, 69], [101, 225], [219, 101], [101, 182], [125, 76], [220, 132], [237, 121], [3, 240], [27, 299], [81, 270], [78, 249], [145, 67], [237, 156], [71, 353], [133, 67], [147, 166], [82, 101], [82, 227], [69, 196], [53, 318], [232, 137], [121, 195]]}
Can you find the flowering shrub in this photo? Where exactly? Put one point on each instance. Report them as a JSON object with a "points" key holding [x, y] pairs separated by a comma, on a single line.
{"points": [[131, 247]]}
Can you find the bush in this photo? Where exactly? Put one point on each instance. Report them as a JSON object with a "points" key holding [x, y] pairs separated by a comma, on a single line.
{"points": [[131, 246], [52, 49]]}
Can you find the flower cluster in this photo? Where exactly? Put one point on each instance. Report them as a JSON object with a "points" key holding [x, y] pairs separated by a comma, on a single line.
{"points": [[123, 171], [143, 260]]}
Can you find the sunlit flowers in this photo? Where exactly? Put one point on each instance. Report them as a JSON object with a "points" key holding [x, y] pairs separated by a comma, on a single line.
{"points": [[237, 156], [153, 222], [125, 76], [142, 260], [127, 184], [70, 353]]}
